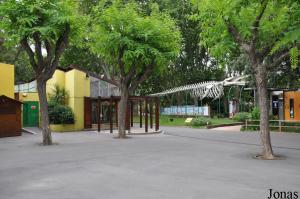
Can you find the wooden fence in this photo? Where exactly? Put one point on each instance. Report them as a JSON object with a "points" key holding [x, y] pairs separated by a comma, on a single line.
{"points": [[274, 124]]}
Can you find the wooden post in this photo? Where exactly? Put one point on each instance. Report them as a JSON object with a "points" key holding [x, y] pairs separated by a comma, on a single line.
{"points": [[99, 113], [110, 115], [146, 114], [127, 118], [279, 125], [116, 112], [141, 114], [151, 113], [157, 112], [131, 113], [246, 125]]}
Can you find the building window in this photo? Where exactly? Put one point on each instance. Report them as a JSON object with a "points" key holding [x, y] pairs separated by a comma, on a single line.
{"points": [[292, 112]]}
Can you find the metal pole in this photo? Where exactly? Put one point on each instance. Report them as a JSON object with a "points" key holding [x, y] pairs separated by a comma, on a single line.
{"points": [[219, 106]]}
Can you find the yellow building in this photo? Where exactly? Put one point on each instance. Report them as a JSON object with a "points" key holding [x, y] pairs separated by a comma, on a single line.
{"points": [[292, 105], [75, 82], [7, 80]]}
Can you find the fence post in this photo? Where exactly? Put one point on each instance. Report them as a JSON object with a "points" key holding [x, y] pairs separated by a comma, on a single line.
{"points": [[279, 125], [246, 125]]}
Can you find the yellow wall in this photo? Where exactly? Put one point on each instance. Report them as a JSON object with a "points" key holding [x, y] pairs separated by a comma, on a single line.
{"points": [[292, 95], [7, 80], [26, 97], [58, 78], [78, 86]]}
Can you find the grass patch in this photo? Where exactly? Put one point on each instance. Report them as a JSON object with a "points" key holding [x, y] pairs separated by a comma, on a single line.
{"points": [[166, 120]]}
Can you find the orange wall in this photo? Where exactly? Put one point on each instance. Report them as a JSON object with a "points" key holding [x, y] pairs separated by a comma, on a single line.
{"points": [[292, 95]]}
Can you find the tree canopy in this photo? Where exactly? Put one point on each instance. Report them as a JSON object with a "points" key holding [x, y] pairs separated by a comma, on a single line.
{"points": [[275, 24], [142, 43]]}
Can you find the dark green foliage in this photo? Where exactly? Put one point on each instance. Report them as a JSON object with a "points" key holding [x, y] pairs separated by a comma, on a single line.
{"points": [[81, 57], [242, 116], [255, 113], [59, 95], [201, 121], [60, 114], [193, 64]]}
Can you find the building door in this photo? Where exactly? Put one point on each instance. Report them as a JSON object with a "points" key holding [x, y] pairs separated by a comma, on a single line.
{"points": [[31, 114]]}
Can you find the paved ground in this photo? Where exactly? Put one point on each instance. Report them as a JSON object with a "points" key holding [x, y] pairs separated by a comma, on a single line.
{"points": [[228, 128], [182, 163]]}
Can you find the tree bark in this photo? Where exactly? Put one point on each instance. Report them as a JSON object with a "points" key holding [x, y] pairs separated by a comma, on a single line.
{"points": [[41, 86], [261, 84], [124, 92]]}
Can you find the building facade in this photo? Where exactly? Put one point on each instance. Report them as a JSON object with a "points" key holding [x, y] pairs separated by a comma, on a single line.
{"points": [[10, 109], [79, 84]]}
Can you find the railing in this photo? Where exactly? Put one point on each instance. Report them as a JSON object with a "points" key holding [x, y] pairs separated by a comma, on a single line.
{"points": [[274, 124]]}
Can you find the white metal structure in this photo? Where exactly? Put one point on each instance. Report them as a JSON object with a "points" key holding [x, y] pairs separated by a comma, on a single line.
{"points": [[209, 89]]}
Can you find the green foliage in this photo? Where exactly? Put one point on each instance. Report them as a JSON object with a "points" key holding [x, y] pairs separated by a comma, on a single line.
{"points": [[201, 121], [294, 52], [145, 41], [21, 19], [59, 95], [242, 116], [17, 57], [255, 113], [59, 111], [193, 64], [278, 27], [60, 114]]}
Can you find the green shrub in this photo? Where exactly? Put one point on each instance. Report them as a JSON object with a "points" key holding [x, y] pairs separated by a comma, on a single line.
{"points": [[60, 114], [242, 116], [255, 114], [201, 121]]}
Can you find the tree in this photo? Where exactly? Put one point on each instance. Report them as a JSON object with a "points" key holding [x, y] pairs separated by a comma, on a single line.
{"points": [[194, 64], [133, 45], [265, 30], [44, 26]]}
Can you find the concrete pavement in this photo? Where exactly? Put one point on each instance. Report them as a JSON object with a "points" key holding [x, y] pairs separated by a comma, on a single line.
{"points": [[183, 163]]}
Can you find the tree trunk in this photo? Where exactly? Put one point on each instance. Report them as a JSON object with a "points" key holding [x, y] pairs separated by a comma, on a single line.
{"points": [[261, 84], [41, 86], [122, 111]]}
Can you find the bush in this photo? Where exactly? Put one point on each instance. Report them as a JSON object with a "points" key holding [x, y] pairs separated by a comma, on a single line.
{"points": [[255, 114], [60, 114], [242, 116], [201, 121]]}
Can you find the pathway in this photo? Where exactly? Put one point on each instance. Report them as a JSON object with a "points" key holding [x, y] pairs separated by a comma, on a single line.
{"points": [[228, 128]]}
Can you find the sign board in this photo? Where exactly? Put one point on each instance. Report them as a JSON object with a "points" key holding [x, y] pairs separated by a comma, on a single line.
{"points": [[188, 120], [186, 110]]}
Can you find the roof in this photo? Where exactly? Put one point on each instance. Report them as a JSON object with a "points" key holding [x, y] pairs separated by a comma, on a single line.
{"points": [[71, 67], [92, 74], [5, 99]]}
